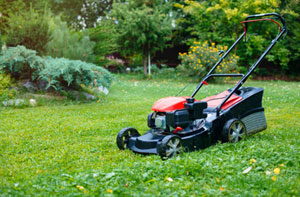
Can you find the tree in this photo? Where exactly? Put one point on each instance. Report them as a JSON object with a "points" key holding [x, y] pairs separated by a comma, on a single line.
{"points": [[141, 29], [68, 44], [219, 21], [81, 13], [30, 29], [105, 37]]}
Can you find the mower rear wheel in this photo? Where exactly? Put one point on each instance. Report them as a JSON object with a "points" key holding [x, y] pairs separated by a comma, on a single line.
{"points": [[234, 130], [169, 147], [124, 135]]}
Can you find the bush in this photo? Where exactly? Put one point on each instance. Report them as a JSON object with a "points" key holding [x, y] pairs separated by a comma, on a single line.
{"points": [[22, 63], [201, 57], [61, 73], [67, 44], [6, 92], [30, 29]]}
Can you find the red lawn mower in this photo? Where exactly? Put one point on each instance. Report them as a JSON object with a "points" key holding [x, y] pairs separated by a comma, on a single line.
{"points": [[185, 124]]}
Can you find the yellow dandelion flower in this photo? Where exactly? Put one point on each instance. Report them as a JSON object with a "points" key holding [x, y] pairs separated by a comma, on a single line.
{"points": [[282, 165], [277, 170], [201, 65], [110, 191], [222, 189], [274, 178], [79, 187], [194, 68], [252, 161]]}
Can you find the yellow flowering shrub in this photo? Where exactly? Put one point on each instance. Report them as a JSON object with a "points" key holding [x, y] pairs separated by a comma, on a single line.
{"points": [[6, 92], [202, 56]]}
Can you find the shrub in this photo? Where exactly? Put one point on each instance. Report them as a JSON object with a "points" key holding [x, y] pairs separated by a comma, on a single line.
{"points": [[22, 63], [201, 57], [6, 92], [67, 44], [30, 29], [61, 73]]}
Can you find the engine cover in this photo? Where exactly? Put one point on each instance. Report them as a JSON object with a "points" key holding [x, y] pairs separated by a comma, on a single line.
{"points": [[169, 104]]}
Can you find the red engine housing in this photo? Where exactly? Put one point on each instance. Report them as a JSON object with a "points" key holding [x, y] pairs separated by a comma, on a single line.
{"points": [[169, 104]]}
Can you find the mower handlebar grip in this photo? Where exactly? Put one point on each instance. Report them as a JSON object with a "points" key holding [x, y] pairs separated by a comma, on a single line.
{"points": [[268, 14]]}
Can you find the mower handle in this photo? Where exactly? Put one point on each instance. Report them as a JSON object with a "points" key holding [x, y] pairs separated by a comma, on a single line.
{"points": [[267, 14]]}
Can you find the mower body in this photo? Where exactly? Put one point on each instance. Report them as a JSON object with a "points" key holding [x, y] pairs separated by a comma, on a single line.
{"points": [[196, 123]]}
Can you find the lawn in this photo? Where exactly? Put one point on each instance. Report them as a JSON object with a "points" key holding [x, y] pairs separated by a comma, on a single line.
{"points": [[69, 148]]}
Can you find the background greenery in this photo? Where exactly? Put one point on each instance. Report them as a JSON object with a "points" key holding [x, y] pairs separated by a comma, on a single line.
{"points": [[71, 149], [147, 27]]}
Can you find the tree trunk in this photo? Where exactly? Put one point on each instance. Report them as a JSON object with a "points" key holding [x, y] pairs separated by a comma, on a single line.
{"points": [[145, 60]]}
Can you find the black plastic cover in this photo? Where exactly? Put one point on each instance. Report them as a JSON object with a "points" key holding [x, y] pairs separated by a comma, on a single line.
{"points": [[196, 109]]}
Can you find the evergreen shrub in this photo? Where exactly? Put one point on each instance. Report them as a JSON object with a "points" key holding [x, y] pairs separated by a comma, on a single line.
{"points": [[59, 73], [62, 72], [22, 63]]}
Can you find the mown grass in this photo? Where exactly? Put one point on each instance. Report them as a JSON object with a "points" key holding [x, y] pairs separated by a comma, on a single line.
{"points": [[70, 149]]}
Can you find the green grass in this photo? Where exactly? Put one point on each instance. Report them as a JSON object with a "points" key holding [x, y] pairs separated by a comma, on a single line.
{"points": [[70, 149]]}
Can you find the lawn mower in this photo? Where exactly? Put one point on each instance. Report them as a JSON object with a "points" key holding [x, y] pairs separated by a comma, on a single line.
{"points": [[185, 124]]}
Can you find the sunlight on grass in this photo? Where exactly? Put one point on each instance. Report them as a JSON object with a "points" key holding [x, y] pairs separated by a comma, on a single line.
{"points": [[71, 149]]}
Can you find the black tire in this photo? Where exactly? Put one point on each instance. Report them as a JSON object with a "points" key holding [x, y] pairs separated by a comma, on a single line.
{"points": [[233, 131], [124, 135], [169, 147]]}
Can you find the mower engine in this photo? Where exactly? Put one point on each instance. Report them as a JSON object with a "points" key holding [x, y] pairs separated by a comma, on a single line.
{"points": [[177, 113]]}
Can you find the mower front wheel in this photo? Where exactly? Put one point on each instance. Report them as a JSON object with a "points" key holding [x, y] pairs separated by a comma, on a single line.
{"points": [[233, 131], [169, 147], [124, 135]]}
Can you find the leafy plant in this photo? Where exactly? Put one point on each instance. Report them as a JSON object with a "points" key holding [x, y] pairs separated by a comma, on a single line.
{"points": [[68, 44], [22, 63], [202, 56], [63, 73], [30, 29], [6, 83]]}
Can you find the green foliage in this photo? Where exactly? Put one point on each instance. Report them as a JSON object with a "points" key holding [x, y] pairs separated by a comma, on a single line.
{"points": [[7, 9], [219, 21], [105, 37], [81, 13], [70, 150], [142, 30], [6, 83], [0, 43], [67, 44], [22, 63], [30, 29], [202, 57], [61, 73]]}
